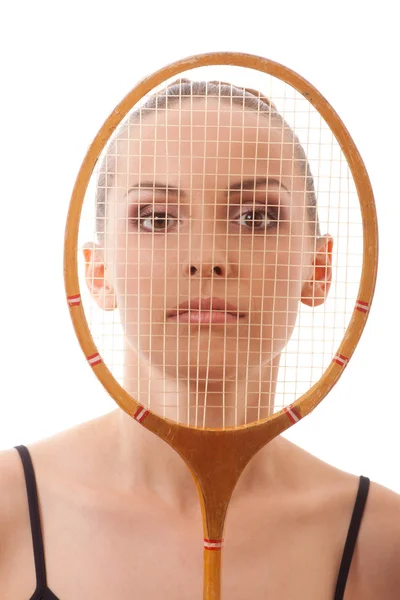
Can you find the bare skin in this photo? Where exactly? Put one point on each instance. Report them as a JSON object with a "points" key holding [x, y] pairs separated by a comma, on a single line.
{"points": [[116, 521]]}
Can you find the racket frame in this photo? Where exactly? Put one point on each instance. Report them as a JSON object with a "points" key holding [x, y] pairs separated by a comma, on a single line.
{"points": [[217, 457]]}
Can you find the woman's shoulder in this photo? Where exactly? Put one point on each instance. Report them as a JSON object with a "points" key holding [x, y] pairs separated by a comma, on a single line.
{"points": [[378, 552], [15, 536], [70, 453], [11, 481], [65, 480], [62, 455], [382, 508], [375, 569]]}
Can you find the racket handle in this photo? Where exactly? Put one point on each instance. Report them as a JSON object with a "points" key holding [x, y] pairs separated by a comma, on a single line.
{"points": [[212, 574]]}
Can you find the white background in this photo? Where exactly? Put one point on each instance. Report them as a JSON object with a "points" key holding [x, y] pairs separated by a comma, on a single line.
{"points": [[64, 67]]}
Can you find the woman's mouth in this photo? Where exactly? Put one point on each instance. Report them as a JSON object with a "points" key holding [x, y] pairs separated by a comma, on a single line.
{"points": [[206, 310], [205, 316]]}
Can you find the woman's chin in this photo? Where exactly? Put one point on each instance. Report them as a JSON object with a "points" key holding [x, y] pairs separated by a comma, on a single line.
{"points": [[210, 376]]}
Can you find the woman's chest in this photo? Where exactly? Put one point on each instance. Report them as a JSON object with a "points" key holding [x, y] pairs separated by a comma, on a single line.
{"points": [[146, 554]]}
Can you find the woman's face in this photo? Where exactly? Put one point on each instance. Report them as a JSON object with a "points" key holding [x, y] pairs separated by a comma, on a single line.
{"points": [[207, 202]]}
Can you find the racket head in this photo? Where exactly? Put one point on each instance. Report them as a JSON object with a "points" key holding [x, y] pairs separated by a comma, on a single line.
{"points": [[357, 314]]}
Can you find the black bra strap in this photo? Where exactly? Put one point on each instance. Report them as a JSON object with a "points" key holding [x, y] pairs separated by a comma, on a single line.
{"points": [[352, 534], [37, 538]]}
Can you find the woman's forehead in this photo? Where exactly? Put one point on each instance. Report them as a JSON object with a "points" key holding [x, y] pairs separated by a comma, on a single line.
{"points": [[204, 129], [208, 118]]}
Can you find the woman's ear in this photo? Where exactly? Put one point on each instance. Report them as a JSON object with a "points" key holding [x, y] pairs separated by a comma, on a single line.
{"points": [[316, 288], [102, 292]]}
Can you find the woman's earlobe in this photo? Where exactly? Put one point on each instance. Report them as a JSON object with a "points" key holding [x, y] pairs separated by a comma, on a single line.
{"points": [[315, 290], [101, 291]]}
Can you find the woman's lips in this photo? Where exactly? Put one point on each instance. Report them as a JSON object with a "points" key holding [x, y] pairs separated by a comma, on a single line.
{"points": [[206, 316], [206, 310]]}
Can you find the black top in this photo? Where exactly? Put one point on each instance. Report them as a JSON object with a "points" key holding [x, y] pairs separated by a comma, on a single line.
{"points": [[42, 592]]}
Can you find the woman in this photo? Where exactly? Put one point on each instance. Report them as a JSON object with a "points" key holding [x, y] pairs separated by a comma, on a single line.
{"points": [[206, 317]]}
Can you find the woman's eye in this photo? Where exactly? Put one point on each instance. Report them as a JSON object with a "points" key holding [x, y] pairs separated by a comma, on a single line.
{"points": [[257, 219], [157, 221], [160, 221]]}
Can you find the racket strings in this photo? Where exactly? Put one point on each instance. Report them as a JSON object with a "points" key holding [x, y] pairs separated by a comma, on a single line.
{"points": [[210, 246]]}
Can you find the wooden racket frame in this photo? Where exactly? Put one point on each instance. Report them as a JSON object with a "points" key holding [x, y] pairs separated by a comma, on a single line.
{"points": [[217, 457]]}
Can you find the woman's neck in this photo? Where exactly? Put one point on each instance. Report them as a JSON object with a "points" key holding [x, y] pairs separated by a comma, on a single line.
{"points": [[143, 464], [202, 402]]}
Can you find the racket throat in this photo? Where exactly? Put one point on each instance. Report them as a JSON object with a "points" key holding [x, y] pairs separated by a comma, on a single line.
{"points": [[216, 461]]}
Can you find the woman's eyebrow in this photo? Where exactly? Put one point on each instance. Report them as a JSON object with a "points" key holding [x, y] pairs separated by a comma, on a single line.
{"points": [[245, 184], [252, 183], [159, 187]]}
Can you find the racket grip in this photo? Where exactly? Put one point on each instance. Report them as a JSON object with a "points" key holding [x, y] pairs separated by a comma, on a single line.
{"points": [[212, 574]]}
